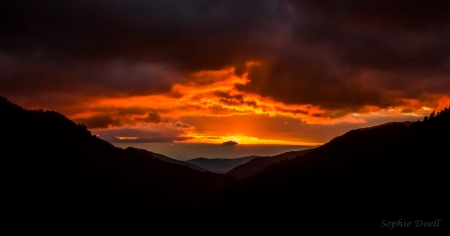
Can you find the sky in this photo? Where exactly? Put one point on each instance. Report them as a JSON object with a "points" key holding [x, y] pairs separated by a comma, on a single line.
{"points": [[254, 72]]}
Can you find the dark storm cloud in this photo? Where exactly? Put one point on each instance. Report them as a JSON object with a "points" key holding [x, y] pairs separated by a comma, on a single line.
{"points": [[31, 74], [176, 31], [111, 47], [383, 14], [347, 54], [338, 55], [310, 83]]}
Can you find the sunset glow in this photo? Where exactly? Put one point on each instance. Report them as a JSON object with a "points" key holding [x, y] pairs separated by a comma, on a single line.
{"points": [[226, 113], [289, 74]]}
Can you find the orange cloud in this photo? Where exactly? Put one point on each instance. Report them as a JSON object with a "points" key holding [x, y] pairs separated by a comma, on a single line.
{"points": [[213, 93], [209, 94]]}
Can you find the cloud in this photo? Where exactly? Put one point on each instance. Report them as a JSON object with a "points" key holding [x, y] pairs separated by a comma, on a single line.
{"points": [[98, 121], [228, 99], [152, 117], [230, 143], [113, 116], [119, 63], [382, 14], [170, 31], [160, 139], [296, 111], [33, 75], [181, 125], [153, 134]]}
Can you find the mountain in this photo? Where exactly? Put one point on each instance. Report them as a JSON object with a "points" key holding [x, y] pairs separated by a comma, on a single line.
{"points": [[62, 179], [145, 153], [388, 173], [259, 164], [219, 165]]}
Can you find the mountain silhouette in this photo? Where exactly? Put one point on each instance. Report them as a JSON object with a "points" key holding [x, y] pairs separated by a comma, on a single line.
{"points": [[259, 164], [352, 183], [61, 179], [219, 165]]}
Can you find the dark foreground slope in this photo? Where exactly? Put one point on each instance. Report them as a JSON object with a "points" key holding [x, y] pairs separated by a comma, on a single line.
{"points": [[61, 179], [259, 164], [391, 172]]}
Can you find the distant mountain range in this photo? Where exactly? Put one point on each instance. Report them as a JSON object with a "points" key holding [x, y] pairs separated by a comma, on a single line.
{"points": [[60, 179], [219, 165], [240, 168]]}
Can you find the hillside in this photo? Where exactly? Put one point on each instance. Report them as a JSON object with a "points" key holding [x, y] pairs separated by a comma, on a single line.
{"points": [[84, 183], [145, 153], [259, 164], [352, 183], [219, 165]]}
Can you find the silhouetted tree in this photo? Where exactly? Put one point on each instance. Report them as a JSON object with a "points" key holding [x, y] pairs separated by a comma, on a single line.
{"points": [[432, 115]]}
